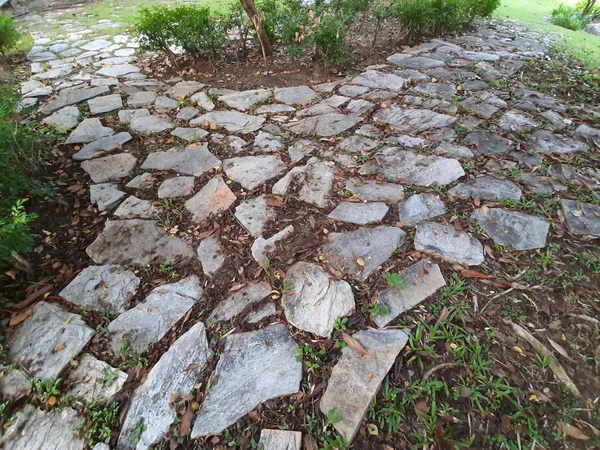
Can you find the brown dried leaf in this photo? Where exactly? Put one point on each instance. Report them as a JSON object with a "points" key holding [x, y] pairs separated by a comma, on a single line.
{"points": [[191, 367], [310, 443], [572, 431], [186, 421], [468, 273], [354, 344], [17, 318], [560, 349], [236, 287]]}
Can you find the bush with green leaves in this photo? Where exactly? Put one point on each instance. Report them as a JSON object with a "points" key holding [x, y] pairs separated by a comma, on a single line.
{"points": [[20, 146], [571, 18], [8, 34], [193, 28]]}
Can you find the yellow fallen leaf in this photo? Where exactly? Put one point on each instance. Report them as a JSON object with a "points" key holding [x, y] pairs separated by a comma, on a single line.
{"points": [[360, 262], [372, 429], [60, 347], [52, 401], [518, 349]]}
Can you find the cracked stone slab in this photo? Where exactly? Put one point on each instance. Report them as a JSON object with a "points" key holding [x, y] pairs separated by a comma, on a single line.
{"points": [[588, 134], [240, 300], [315, 181], [356, 378], [89, 130], [109, 168], [102, 146], [280, 439], [14, 383], [164, 104], [379, 80], [105, 104], [541, 184], [445, 91], [297, 95], [142, 98], [232, 121], [515, 121], [546, 142], [142, 181], [453, 151], [203, 101], [261, 313], [325, 125], [415, 62], [193, 160], [252, 171], [349, 90], [102, 287], [300, 149], [47, 340], [34, 429], [487, 187], [361, 107], [582, 218], [104, 195], [488, 143], [374, 191], [315, 302], [246, 99], [97, 44], [127, 115], [151, 124], [404, 166], [266, 142], [449, 243], [358, 253], [420, 207], [359, 213], [137, 241], [421, 280], [64, 119], [514, 229], [176, 187], [148, 321], [253, 214], [211, 255], [185, 88], [72, 96], [95, 380], [135, 207], [412, 120], [254, 367], [55, 73], [275, 108], [187, 113], [175, 373], [214, 198], [262, 246]]}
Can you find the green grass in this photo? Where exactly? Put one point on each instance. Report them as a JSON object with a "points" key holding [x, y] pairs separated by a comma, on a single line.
{"points": [[579, 44]]}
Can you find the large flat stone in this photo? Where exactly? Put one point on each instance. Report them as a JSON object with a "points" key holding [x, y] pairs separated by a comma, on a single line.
{"points": [[150, 124], [194, 161], [176, 187], [515, 121], [253, 171], [246, 99], [102, 146], [46, 341], [175, 373], [296, 95], [416, 62], [89, 130], [127, 115], [148, 321], [404, 166], [582, 218], [118, 70], [315, 301], [185, 88], [134, 207], [141, 98], [373, 191], [379, 80], [359, 253], [72, 96], [214, 198], [253, 368], [547, 142], [105, 104], [14, 383], [447, 242], [232, 121], [211, 255], [40, 430], [514, 229], [64, 119], [137, 242], [325, 125], [95, 380], [254, 214], [359, 213], [111, 167], [101, 287], [314, 182], [189, 134], [421, 280], [420, 207], [105, 195], [262, 246], [240, 300], [356, 378], [412, 120], [487, 187], [488, 143]]}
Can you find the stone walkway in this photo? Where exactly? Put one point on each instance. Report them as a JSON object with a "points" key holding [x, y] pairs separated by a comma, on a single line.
{"points": [[373, 137]]}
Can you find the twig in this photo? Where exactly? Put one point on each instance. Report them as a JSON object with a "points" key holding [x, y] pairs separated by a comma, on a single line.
{"points": [[553, 363], [442, 366], [584, 317]]}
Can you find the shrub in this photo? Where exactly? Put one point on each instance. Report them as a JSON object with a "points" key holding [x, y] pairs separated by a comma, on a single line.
{"points": [[190, 27], [8, 34], [237, 24], [329, 39], [567, 17]]}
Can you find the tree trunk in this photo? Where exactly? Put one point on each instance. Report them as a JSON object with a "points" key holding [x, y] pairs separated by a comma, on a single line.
{"points": [[259, 26]]}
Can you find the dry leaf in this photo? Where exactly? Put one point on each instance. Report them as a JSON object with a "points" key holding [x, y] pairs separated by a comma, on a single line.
{"points": [[310, 443], [572, 431], [20, 317], [372, 429], [354, 344], [559, 349], [236, 287], [360, 262], [52, 400], [186, 421], [467, 273], [60, 347], [191, 367]]}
